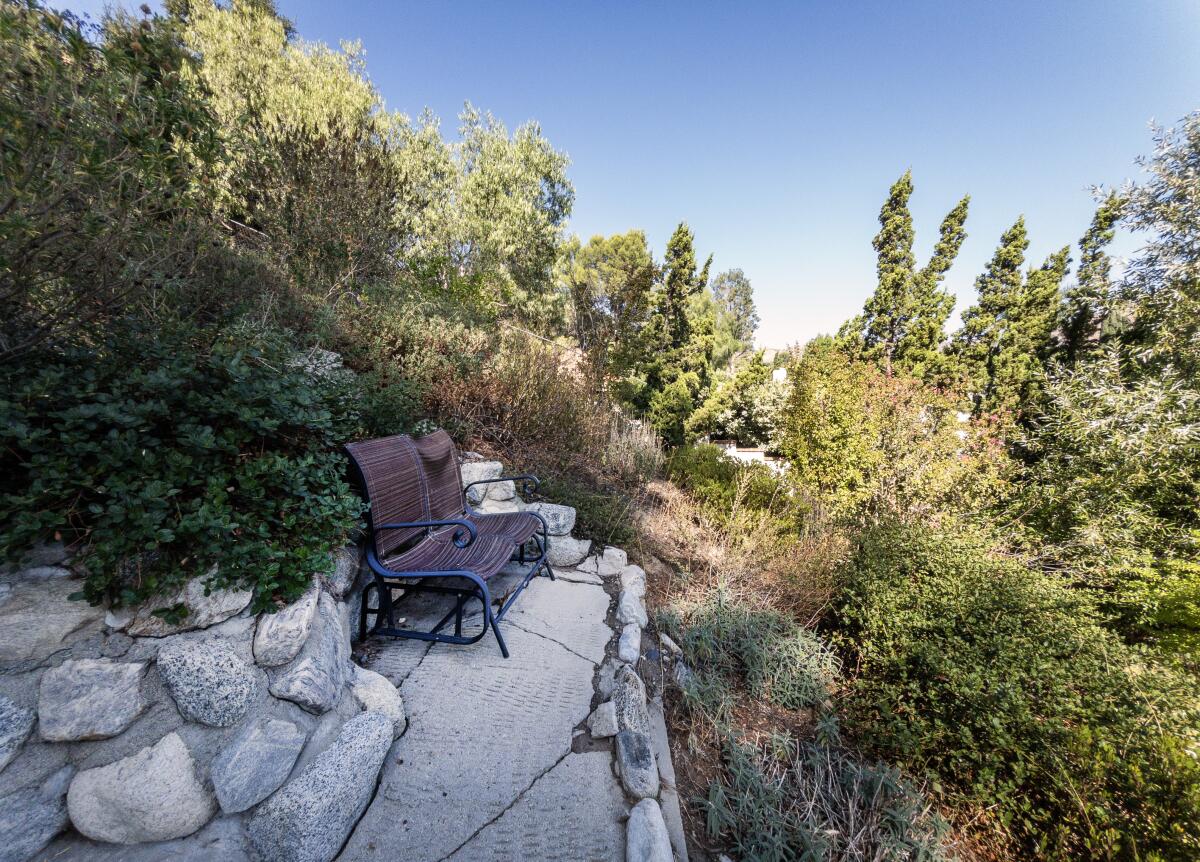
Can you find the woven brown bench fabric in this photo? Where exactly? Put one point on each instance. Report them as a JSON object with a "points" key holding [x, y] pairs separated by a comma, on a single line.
{"points": [[424, 537], [439, 462]]}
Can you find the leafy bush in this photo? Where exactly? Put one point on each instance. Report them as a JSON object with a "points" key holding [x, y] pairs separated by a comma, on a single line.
{"points": [[105, 150], [777, 660], [160, 456], [1111, 492], [874, 446], [999, 681], [791, 801]]}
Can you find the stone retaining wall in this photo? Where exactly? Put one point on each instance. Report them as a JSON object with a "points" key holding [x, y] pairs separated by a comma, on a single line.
{"points": [[123, 736]]}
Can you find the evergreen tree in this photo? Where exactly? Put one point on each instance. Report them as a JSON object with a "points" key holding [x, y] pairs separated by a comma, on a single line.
{"points": [[919, 349], [680, 281], [981, 340], [735, 304], [890, 307], [1085, 305], [903, 322]]}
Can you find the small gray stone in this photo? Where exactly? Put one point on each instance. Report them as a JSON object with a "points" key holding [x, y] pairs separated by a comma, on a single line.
{"points": [[474, 471], [501, 490], [316, 676], [605, 678], [153, 795], [615, 557], [280, 635], [630, 609], [15, 724], [629, 697], [646, 838], [560, 520], [30, 818], [669, 645], [636, 766], [602, 722], [345, 571], [567, 551], [633, 580], [202, 610], [683, 674], [209, 682], [629, 647], [258, 760], [375, 693], [309, 818], [89, 699]]}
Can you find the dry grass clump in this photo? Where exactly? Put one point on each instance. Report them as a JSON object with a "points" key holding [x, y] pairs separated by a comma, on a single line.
{"points": [[790, 572]]}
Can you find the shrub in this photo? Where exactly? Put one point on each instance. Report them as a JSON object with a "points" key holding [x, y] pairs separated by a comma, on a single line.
{"points": [[160, 455], [790, 801], [602, 514], [777, 660], [105, 152], [998, 681], [1111, 492]]}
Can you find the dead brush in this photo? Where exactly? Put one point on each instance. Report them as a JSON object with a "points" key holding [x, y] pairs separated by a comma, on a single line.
{"points": [[746, 547]]}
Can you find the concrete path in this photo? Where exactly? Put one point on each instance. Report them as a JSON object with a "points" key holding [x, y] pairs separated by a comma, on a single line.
{"points": [[493, 765]]}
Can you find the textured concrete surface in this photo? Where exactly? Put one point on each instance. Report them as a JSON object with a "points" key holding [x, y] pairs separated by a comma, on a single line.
{"points": [[485, 769]]}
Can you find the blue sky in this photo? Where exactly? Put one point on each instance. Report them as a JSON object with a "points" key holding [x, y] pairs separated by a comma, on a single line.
{"points": [[775, 129]]}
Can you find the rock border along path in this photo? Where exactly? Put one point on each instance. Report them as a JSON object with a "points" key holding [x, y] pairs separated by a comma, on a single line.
{"points": [[517, 758]]}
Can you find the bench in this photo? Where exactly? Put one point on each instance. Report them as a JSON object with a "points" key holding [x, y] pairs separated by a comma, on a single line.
{"points": [[423, 536]]}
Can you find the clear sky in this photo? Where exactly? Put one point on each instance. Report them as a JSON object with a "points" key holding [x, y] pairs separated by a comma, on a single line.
{"points": [[775, 129]]}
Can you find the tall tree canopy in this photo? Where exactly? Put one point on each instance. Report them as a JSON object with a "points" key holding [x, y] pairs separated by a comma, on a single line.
{"points": [[1086, 303], [903, 322]]}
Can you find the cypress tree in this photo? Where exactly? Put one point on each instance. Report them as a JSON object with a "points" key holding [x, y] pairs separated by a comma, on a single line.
{"points": [[981, 340], [889, 307], [1085, 305], [919, 349]]}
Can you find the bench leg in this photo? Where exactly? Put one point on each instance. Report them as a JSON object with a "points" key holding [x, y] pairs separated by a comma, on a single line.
{"points": [[496, 629]]}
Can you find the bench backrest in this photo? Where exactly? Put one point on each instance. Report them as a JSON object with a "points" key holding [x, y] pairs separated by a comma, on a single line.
{"points": [[443, 479], [389, 470]]}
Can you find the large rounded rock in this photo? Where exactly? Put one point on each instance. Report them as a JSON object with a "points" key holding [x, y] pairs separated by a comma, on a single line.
{"points": [[15, 724], [314, 679], [209, 682], [636, 765], [39, 618], [89, 699], [375, 693], [153, 795], [567, 551], [281, 635], [258, 760], [204, 608], [309, 819]]}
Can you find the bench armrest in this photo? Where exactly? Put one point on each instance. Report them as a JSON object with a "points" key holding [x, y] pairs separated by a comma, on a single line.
{"points": [[458, 534]]}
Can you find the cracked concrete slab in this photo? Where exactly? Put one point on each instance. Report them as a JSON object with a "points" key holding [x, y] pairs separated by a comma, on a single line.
{"points": [[484, 729], [573, 812], [569, 613]]}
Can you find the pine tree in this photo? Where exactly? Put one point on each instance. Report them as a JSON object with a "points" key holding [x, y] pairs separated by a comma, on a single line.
{"points": [[1086, 303], [980, 341], [889, 307], [919, 350]]}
